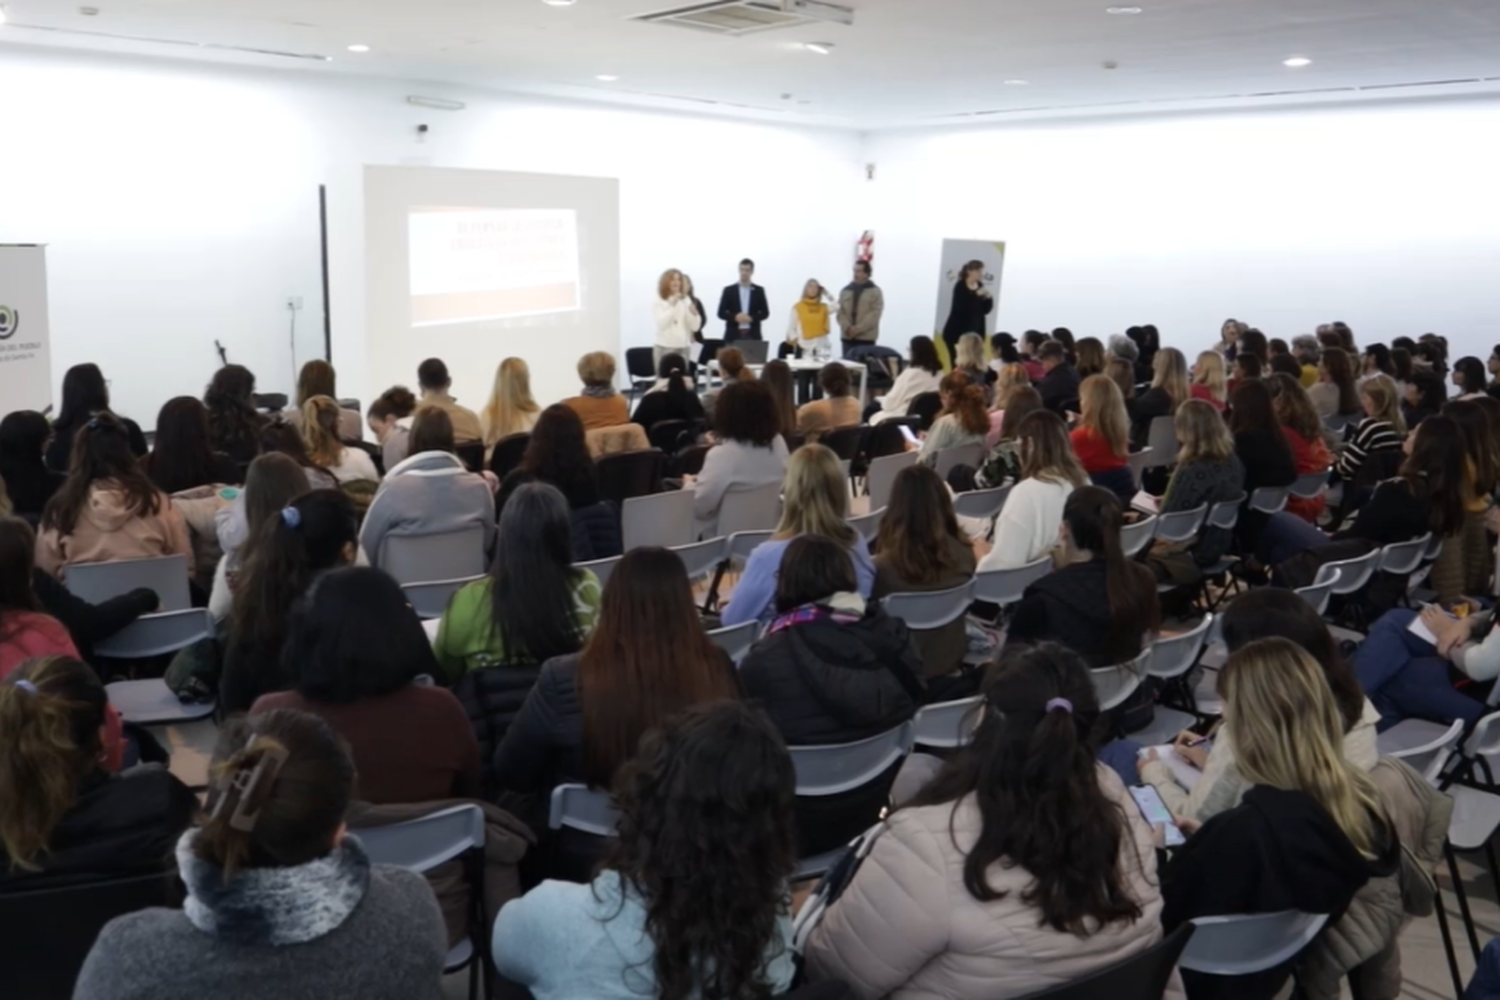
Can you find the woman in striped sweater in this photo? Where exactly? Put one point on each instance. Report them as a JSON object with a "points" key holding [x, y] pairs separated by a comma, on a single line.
{"points": [[1382, 429]]}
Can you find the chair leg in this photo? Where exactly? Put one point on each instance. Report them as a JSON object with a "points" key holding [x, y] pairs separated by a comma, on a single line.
{"points": [[1448, 948], [1463, 899], [711, 602]]}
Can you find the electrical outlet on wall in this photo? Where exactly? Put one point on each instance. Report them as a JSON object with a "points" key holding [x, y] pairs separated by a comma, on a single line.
{"points": [[294, 303]]}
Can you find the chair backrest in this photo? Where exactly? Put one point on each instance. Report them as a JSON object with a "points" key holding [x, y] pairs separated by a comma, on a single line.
{"points": [[736, 640], [1139, 462], [1174, 655], [1484, 741], [868, 525], [1244, 944], [925, 407], [701, 558], [447, 555], [1135, 537], [629, 474], [421, 844], [845, 442], [1226, 514], [949, 459], [752, 508], [740, 544], [1270, 499], [924, 610], [98, 582], [982, 504], [49, 932], [1311, 484], [601, 568], [1007, 586], [1179, 526], [833, 770], [430, 599], [1404, 557], [1318, 593], [1115, 684], [881, 477], [1431, 757], [1162, 440], [158, 634], [1354, 573], [667, 434], [509, 451], [1143, 976], [579, 807], [947, 724], [664, 519], [640, 363]]}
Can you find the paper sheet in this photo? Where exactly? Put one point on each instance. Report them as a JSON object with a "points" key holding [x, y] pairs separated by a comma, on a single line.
{"points": [[1186, 774]]}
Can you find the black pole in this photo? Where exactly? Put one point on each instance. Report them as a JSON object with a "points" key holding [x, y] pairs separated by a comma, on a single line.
{"points": [[323, 239]]}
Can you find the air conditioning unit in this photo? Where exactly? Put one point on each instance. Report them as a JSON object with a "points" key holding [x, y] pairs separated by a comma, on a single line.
{"points": [[745, 17]]}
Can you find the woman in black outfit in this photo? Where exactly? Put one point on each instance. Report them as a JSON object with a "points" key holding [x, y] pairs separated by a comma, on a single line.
{"points": [[23, 441], [183, 459], [558, 455], [674, 401], [85, 393], [1263, 450], [234, 424], [972, 302]]}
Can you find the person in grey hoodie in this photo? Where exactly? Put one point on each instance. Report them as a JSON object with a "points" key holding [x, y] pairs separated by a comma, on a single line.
{"points": [[430, 492], [282, 903]]}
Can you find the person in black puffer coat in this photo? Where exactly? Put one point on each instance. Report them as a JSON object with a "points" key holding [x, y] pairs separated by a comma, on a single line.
{"points": [[831, 671]]}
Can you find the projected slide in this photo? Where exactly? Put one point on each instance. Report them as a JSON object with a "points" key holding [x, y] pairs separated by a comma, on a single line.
{"points": [[470, 264]]}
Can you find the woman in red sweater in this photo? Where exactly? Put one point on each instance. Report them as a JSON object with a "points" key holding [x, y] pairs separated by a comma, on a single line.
{"points": [[1304, 434], [25, 632], [1101, 438]]}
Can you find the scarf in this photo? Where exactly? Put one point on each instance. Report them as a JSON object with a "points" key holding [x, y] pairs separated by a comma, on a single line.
{"points": [[858, 288], [599, 391], [274, 906], [842, 608], [812, 314]]}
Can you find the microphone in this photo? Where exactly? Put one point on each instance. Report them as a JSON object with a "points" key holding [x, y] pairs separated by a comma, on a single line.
{"points": [[223, 356]]}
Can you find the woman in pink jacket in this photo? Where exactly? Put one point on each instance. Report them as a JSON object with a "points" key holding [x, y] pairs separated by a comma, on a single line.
{"points": [[1023, 865]]}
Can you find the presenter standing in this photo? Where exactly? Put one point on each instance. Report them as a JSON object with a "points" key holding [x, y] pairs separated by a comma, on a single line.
{"points": [[809, 327], [743, 306], [861, 304], [972, 302], [677, 321]]}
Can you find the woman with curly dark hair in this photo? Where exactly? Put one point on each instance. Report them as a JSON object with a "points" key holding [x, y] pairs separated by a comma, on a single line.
{"points": [[234, 425], [692, 899]]}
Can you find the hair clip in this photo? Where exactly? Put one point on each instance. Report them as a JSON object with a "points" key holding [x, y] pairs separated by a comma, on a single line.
{"points": [[1060, 705], [26, 686], [251, 787], [291, 517]]}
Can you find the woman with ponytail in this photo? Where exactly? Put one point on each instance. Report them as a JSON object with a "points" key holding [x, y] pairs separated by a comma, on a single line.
{"points": [[67, 812], [1097, 602], [1022, 865], [282, 901], [325, 443], [284, 553]]}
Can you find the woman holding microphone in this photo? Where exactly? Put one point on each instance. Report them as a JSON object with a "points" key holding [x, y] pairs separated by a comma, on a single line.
{"points": [[677, 321], [972, 302]]}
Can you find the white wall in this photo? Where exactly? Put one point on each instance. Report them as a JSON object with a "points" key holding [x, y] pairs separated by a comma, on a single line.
{"points": [[180, 202], [1385, 217]]}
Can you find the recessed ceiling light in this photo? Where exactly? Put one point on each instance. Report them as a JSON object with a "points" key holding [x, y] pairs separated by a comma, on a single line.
{"points": [[559, 3], [1016, 83], [821, 48], [1123, 10], [359, 48], [606, 78], [1297, 62]]}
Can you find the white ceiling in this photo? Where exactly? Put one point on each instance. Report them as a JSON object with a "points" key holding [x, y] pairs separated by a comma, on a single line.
{"points": [[902, 62]]}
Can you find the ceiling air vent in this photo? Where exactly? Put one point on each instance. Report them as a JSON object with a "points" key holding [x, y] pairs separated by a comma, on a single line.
{"points": [[744, 17]]}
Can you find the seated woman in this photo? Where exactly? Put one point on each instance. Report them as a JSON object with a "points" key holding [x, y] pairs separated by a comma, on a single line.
{"points": [[1026, 527], [390, 419], [285, 439], [429, 493], [705, 814], [777, 376], [317, 378], [511, 408], [1262, 449], [750, 452], [85, 395], [647, 658], [1003, 465], [836, 409], [1423, 397], [1304, 435], [26, 631], [815, 501], [1467, 562], [1010, 377], [108, 510], [1208, 472], [921, 547], [280, 560], [1335, 393], [1169, 390], [599, 405], [831, 669], [355, 652], [923, 373], [970, 361], [963, 419], [1409, 676], [1471, 378], [181, 457], [673, 399], [325, 446], [532, 606], [70, 814], [558, 455], [1208, 382], [23, 441], [272, 482], [1253, 615], [234, 424], [281, 899], [1024, 863], [1312, 828], [1097, 602], [1102, 437], [1382, 430], [732, 369]]}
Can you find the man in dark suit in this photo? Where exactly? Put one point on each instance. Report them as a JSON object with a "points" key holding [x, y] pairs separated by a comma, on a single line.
{"points": [[1059, 386], [743, 306]]}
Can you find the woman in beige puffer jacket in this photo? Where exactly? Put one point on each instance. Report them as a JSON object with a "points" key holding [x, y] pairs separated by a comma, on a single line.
{"points": [[1023, 865]]}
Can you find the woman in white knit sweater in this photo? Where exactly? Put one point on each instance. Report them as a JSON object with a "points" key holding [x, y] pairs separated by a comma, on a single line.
{"points": [[1027, 527], [677, 321]]}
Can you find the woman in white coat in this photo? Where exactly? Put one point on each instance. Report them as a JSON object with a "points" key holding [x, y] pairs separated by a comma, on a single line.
{"points": [[1027, 527], [677, 322], [923, 373]]}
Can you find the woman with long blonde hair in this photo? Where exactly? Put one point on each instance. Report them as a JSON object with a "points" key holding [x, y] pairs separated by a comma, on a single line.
{"points": [[815, 501], [1311, 829], [1169, 390], [1382, 429], [320, 433], [1102, 437], [1027, 526], [1011, 377], [511, 409], [1209, 382]]}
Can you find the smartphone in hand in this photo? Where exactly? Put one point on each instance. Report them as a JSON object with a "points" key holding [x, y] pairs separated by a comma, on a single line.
{"points": [[1148, 800]]}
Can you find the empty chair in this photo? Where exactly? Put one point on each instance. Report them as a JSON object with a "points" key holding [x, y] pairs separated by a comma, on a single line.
{"points": [[736, 640], [868, 525], [664, 519], [1007, 586], [430, 599], [948, 724], [982, 504], [1242, 945], [1426, 747], [508, 452], [1137, 535], [1353, 574], [756, 508], [828, 771], [640, 368], [845, 442], [629, 474], [951, 458], [668, 435], [881, 476], [931, 609], [1139, 462], [1321, 589], [176, 626]]}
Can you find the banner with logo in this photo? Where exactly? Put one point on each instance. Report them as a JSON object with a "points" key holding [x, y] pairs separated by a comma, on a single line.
{"points": [[25, 371], [957, 253]]}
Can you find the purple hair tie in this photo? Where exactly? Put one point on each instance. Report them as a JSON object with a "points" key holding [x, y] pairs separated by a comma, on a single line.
{"points": [[1060, 704], [292, 517]]}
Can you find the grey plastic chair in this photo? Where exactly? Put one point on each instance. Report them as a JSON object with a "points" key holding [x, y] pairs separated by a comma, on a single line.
{"points": [[834, 770], [1243, 945], [1402, 558], [1270, 499], [947, 724], [176, 626], [1310, 485], [931, 609], [152, 703], [701, 558], [982, 504], [1114, 685], [1139, 462], [601, 568], [757, 508], [736, 640], [1425, 747], [1225, 514], [1172, 657], [448, 555], [1137, 535], [868, 525], [1007, 586], [1318, 593], [1180, 526], [578, 807], [949, 459], [881, 477], [1162, 440], [430, 600], [1353, 573], [740, 544], [664, 519]]}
